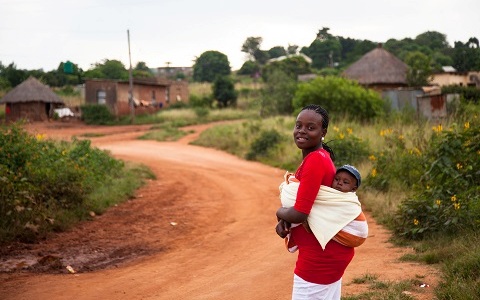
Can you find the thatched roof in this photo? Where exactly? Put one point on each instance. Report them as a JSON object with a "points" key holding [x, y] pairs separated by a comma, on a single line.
{"points": [[378, 67], [31, 90]]}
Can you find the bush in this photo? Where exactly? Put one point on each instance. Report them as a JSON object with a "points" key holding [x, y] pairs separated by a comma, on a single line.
{"points": [[40, 179], [339, 96], [347, 147], [448, 196], [96, 114], [266, 141]]}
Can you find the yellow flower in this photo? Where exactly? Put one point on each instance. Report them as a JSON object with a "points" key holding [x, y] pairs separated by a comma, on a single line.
{"points": [[335, 128], [456, 206], [374, 172], [428, 187], [437, 128], [467, 125], [64, 152], [349, 130], [341, 136], [459, 166], [401, 137], [372, 157], [415, 222], [40, 137], [453, 198], [438, 202]]}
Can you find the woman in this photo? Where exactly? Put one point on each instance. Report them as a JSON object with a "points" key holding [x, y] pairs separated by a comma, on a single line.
{"points": [[318, 272]]}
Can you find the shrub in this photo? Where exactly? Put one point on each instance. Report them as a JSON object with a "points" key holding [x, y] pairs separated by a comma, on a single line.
{"points": [[347, 147], [40, 179], [96, 114], [448, 196], [339, 96], [266, 141]]}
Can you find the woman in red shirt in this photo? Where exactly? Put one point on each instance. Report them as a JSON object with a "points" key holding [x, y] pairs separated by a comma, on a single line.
{"points": [[318, 272]]}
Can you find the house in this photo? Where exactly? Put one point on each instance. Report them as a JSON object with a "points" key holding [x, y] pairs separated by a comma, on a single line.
{"points": [[149, 94], [450, 76], [378, 70], [31, 100]]}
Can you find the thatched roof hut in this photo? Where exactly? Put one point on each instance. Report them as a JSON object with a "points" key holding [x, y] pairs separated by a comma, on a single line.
{"points": [[378, 69], [30, 100]]}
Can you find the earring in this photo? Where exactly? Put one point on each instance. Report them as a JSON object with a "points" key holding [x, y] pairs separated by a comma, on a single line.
{"points": [[323, 138]]}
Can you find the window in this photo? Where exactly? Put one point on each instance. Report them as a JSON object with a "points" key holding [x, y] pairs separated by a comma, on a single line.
{"points": [[101, 97]]}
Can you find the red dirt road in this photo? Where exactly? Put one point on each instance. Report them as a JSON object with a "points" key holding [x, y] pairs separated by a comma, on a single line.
{"points": [[204, 229]]}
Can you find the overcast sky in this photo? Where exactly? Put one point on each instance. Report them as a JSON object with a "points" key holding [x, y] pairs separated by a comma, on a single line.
{"points": [[38, 34]]}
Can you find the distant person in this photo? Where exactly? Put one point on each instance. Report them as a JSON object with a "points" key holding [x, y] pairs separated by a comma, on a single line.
{"points": [[318, 270]]}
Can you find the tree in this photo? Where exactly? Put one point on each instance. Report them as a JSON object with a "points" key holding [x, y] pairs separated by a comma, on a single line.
{"points": [[250, 68], [141, 70], [109, 69], [209, 65], [292, 49], [420, 69], [261, 56], [277, 93], [12, 75], [466, 57], [324, 51], [277, 51], [291, 66], [251, 45], [224, 91], [433, 40]]}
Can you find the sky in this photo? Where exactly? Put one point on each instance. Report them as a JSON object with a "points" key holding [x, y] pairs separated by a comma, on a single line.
{"points": [[41, 34]]}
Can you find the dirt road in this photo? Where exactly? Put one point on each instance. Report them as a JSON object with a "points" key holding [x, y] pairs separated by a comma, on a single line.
{"points": [[204, 229]]}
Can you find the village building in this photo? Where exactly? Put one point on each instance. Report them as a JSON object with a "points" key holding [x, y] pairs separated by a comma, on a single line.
{"points": [[31, 100], [149, 94], [378, 70], [450, 76]]}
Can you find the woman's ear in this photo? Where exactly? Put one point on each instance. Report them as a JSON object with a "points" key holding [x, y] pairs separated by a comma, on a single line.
{"points": [[354, 188]]}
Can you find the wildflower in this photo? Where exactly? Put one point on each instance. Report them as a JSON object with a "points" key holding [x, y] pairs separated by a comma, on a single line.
{"points": [[459, 166], [417, 151], [349, 130], [437, 128], [453, 198], [335, 128], [40, 137], [374, 172], [428, 187], [372, 157], [415, 222], [341, 136], [467, 125], [456, 206], [64, 152], [438, 202], [401, 137]]}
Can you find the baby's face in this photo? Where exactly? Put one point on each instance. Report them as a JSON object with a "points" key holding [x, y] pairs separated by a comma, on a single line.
{"points": [[344, 182]]}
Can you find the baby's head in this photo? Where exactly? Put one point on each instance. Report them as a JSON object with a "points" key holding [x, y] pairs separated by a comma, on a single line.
{"points": [[347, 179]]}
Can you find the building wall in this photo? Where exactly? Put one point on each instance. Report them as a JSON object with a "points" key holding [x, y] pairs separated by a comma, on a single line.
{"points": [[30, 111], [93, 86], [444, 79], [178, 91]]}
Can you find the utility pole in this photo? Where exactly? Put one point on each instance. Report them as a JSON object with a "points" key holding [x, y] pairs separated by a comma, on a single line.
{"points": [[130, 79]]}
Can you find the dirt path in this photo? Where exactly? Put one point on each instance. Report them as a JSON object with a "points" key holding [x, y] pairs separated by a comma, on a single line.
{"points": [[203, 230]]}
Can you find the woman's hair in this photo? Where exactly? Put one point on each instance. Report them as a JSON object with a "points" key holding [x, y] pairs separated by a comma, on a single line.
{"points": [[325, 119]]}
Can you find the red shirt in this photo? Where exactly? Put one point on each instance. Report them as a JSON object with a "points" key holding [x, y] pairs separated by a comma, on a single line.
{"points": [[315, 264]]}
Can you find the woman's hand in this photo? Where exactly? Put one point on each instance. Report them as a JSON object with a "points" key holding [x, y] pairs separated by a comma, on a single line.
{"points": [[282, 228]]}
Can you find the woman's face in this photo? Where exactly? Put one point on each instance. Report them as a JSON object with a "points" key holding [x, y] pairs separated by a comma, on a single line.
{"points": [[308, 131]]}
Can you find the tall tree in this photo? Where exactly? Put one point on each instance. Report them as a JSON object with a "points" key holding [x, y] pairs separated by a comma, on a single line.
{"points": [[251, 45], [433, 40], [420, 69], [209, 65], [466, 56], [109, 69]]}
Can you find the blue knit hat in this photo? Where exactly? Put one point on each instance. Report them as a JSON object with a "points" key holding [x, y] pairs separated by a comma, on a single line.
{"points": [[352, 170]]}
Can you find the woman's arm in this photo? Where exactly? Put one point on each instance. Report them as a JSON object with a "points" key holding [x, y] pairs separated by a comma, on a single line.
{"points": [[291, 215]]}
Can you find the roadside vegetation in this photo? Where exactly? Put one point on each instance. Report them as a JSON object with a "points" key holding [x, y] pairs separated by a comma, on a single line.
{"points": [[49, 186]]}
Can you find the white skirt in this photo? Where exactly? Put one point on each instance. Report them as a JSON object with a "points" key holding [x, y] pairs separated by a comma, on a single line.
{"points": [[304, 290]]}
